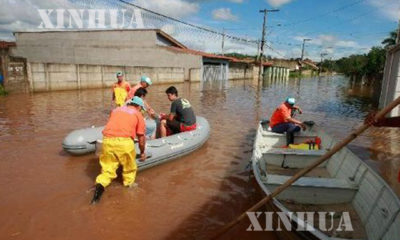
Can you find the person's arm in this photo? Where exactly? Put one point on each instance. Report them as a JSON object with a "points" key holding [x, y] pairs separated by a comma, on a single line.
{"points": [[388, 122], [297, 122], [172, 114], [140, 133], [113, 93], [142, 144], [297, 108], [150, 111], [288, 118], [382, 122]]}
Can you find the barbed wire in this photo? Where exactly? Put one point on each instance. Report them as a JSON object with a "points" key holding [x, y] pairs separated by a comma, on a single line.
{"points": [[198, 37]]}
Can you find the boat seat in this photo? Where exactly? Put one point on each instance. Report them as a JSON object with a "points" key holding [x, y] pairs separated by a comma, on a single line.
{"points": [[288, 151], [313, 190], [312, 182]]}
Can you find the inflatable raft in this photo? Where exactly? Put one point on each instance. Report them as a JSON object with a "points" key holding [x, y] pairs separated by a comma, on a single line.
{"points": [[88, 140]]}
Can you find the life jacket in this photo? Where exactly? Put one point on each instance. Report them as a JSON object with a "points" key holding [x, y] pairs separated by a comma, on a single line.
{"points": [[308, 145]]}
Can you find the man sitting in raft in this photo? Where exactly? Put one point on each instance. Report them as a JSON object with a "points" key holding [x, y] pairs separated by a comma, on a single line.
{"points": [[120, 90], [181, 117], [124, 125], [282, 121]]}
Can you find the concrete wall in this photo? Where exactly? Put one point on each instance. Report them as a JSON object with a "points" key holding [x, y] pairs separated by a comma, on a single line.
{"points": [[55, 76], [240, 71], [391, 80], [102, 48], [290, 64], [195, 75]]}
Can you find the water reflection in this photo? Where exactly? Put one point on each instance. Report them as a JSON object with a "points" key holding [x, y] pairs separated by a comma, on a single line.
{"points": [[188, 198]]}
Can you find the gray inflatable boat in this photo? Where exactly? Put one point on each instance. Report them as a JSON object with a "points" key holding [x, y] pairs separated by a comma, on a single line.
{"points": [[159, 150]]}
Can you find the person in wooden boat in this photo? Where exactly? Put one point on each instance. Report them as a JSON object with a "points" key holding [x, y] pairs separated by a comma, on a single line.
{"points": [[282, 121], [181, 117], [120, 90], [124, 125]]}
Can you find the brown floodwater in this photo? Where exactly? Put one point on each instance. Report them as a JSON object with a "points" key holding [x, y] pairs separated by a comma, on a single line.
{"points": [[45, 193]]}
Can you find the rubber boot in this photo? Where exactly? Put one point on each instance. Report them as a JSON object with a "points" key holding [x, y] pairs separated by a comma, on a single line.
{"points": [[97, 193]]}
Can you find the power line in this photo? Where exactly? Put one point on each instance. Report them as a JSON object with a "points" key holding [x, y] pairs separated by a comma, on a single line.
{"points": [[190, 24]]}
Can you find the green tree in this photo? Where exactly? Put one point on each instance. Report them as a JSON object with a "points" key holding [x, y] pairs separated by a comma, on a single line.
{"points": [[391, 40], [375, 62]]}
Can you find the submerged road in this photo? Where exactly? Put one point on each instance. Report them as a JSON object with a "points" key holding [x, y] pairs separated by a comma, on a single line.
{"points": [[45, 193]]}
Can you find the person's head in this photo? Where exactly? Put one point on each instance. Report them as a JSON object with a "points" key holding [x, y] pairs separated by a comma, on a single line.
{"points": [[120, 76], [136, 102], [141, 92], [172, 93], [145, 81], [290, 101]]}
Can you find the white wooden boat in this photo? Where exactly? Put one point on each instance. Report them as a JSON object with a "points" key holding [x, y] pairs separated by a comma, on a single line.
{"points": [[344, 183]]}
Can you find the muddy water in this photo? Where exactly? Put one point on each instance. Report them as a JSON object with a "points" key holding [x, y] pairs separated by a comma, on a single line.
{"points": [[45, 193]]}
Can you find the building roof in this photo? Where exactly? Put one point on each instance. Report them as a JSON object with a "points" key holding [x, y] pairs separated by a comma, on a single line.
{"points": [[4, 44], [170, 38], [309, 63], [214, 56], [200, 53]]}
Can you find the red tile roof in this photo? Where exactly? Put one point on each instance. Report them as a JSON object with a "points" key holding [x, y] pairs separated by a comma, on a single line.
{"points": [[4, 44]]}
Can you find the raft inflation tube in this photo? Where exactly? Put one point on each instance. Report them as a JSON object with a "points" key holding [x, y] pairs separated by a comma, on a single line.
{"points": [[84, 141]]}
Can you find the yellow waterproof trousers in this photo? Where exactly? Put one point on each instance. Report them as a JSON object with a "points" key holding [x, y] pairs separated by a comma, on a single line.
{"points": [[117, 150], [120, 96]]}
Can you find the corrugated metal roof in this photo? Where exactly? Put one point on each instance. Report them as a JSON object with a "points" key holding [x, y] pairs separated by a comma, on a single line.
{"points": [[200, 53], [214, 56]]}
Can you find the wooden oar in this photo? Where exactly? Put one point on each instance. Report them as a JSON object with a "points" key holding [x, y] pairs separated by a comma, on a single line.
{"points": [[304, 171]]}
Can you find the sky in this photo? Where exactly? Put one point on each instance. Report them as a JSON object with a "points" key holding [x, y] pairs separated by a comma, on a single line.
{"points": [[336, 27]]}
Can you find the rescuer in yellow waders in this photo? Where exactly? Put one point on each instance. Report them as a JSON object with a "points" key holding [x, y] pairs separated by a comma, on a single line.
{"points": [[124, 125], [120, 90]]}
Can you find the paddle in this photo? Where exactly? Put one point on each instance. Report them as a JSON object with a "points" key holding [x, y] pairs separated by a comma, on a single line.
{"points": [[304, 171]]}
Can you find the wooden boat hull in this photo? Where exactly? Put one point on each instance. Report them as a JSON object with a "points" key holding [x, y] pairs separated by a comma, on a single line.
{"points": [[343, 183]]}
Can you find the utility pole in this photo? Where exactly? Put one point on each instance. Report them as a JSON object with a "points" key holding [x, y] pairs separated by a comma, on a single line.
{"points": [[302, 49], [223, 41], [265, 11], [398, 34]]}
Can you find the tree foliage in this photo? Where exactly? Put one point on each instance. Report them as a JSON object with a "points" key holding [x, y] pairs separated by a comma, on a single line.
{"points": [[370, 65], [391, 40]]}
